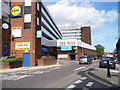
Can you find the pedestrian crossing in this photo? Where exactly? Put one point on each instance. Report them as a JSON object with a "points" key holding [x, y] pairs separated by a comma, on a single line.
{"points": [[14, 76], [78, 82]]}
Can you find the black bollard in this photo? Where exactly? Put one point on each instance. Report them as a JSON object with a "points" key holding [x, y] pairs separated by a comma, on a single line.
{"points": [[108, 69]]}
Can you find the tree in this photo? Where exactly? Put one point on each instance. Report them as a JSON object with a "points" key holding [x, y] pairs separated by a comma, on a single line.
{"points": [[99, 50]]}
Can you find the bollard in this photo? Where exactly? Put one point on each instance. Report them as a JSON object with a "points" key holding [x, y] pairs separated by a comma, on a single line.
{"points": [[108, 69]]}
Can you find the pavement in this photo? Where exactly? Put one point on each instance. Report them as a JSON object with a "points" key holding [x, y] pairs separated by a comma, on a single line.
{"points": [[102, 74], [28, 68], [60, 63]]}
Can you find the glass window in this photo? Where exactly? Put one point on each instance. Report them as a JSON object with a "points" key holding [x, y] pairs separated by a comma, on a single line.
{"points": [[27, 10], [27, 25]]}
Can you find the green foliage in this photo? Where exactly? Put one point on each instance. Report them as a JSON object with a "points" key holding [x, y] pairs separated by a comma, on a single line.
{"points": [[99, 50], [47, 57], [11, 59]]}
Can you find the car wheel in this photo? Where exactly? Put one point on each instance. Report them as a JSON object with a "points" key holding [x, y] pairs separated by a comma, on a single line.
{"points": [[79, 63], [100, 66]]}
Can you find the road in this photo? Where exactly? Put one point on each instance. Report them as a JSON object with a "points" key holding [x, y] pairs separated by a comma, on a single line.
{"points": [[69, 76]]}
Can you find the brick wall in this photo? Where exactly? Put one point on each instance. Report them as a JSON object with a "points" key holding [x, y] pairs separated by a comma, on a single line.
{"points": [[86, 34]]}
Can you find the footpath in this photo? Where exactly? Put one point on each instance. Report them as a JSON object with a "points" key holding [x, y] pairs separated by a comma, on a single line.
{"points": [[59, 63], [28, 68], [102, 74]]}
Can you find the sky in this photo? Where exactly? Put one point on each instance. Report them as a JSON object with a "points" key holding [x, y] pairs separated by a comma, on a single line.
{"points": [[101, 16]]}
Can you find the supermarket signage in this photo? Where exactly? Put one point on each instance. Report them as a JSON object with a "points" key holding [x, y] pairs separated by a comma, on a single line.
{"points": [[16, 31], [16, 11], [22, 46], [62, 55], [66, 48], [75, 48]]}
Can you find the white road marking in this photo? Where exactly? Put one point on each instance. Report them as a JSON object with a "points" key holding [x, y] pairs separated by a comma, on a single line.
{"points": [[71, 86], [96, 68], [79, 68], [78, 82], [42, 72], [20, 77], [57, 68], [54, 68], [83, 78], [46, 71], [89, 84]]}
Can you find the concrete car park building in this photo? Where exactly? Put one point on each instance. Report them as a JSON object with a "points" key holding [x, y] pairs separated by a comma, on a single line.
{"points": [[5, 28], [33, 31]]}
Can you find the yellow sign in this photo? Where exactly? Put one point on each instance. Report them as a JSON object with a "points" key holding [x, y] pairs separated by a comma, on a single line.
{"points": [[62, 55], [75, 47], [16, 11], [22, 46]]}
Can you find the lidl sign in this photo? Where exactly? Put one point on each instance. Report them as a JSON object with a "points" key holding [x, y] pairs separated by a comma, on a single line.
{"points": [[16, 11]]}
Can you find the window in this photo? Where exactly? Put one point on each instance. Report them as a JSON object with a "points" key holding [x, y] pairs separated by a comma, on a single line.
{"points": [[27, 10], [27, 25]]}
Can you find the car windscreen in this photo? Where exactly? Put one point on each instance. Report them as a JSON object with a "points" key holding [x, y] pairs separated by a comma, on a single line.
{"points": [[107, 58], [82, 57]]}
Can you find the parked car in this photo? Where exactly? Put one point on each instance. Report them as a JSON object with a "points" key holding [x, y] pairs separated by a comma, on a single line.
{"points": [[103, 62], [85, 59]]}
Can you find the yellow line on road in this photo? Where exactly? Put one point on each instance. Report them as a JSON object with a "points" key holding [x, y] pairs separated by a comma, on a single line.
{"points": [[97, 79]]}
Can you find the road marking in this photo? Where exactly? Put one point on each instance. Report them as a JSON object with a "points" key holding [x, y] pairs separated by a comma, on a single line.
{"points": [[90, 84], [79, 68], [71, 86], [54, 68], [96, 68], [97, 79], [46, 71], [78, 82], [20, 77], [42, 72], [83, 78]]}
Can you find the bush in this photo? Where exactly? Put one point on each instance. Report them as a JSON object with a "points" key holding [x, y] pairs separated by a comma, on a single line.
{"points": [[47, 57], [12, 59]]}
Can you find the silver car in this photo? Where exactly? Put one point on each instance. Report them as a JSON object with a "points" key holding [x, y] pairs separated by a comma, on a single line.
{"points": [[85, 59]]}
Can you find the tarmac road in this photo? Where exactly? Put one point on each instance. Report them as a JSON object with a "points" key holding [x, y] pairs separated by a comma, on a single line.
{"points": [[71, 76]]}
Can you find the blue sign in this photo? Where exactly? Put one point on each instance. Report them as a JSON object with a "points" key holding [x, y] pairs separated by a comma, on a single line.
{"points": [[66, 48], [39, 34], [16, 11], [44, 50]]}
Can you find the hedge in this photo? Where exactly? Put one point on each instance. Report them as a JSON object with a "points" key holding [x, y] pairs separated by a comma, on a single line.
{"points": [[12, 59]]}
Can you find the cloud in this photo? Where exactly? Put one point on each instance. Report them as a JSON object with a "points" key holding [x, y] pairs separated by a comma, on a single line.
{"points": [[66, 13]]}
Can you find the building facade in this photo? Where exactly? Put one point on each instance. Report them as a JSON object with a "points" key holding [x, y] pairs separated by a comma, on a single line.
{"points": [[6, 29], [37, 31], [71, 32], [76, 42], [118, 43]]}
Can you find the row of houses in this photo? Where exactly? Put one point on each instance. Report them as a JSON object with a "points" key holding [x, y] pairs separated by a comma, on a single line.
{"points": [[29, 31]]}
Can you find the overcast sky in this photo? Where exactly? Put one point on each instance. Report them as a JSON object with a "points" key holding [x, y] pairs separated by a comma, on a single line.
{"points": [[102, 16]]}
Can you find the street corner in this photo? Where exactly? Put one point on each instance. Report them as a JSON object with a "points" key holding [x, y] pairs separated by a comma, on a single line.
{"points": [[101, 73]]}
